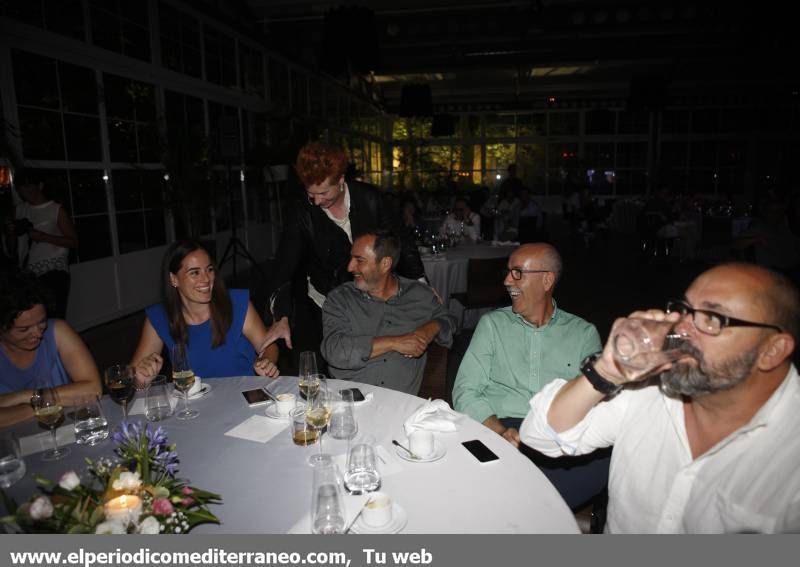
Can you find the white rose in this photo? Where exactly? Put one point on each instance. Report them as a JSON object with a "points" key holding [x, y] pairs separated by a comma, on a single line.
{"points": [[69, 481], [111, 527], [149, 526], [41, 508], [127, 481]]}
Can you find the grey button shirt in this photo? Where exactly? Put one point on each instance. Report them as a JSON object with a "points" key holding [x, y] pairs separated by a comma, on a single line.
{"points": [[351, 319]]}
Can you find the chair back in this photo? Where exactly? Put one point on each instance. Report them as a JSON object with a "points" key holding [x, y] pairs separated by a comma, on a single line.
{"points": [[485, 282]]}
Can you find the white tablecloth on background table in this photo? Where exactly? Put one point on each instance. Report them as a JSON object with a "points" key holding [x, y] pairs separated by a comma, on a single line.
{"points": [[266, 487], [447, 274]]}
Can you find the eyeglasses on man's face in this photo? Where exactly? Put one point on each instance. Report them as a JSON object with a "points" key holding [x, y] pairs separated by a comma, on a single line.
{"points": [[711, 322], [516, 273]]}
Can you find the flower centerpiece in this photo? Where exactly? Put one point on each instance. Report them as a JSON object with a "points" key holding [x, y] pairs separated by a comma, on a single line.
{"points": [[134, 492]]}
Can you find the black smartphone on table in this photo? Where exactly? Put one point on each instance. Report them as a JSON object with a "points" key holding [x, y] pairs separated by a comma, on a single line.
{"points": [[255, 397], [480, 451], [358, 395]]}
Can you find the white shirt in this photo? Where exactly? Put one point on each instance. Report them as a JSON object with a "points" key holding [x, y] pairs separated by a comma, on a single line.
{"points": [[748, 482], [42, 256]]}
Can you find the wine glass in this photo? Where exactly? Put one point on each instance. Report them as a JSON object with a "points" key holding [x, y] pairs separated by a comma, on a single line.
{"points": [[121, 384], [49, 413], [307, 369], [318, 414], [183, 378]]}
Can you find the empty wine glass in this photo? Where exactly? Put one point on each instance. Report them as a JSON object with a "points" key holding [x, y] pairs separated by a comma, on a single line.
{"points": [[49, 413], [318, 414], [121, 383], [183, 378]]}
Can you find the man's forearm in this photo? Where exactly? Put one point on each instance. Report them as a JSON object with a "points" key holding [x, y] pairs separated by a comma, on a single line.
{"points": [[571, 404]]}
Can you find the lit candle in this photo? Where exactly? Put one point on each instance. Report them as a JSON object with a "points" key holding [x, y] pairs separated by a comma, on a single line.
{"points": [[125, 508]]}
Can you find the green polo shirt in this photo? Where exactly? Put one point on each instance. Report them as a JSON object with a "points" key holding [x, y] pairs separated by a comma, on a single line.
{"points": [[509, 360]]}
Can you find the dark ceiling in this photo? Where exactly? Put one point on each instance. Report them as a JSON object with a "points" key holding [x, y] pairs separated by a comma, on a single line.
{"points": [[515, 52]]}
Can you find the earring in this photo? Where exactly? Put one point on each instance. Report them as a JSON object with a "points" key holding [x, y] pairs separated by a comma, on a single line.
{"points": [[341, 187]]}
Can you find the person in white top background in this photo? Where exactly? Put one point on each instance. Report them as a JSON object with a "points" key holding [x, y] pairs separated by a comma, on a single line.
{"points": [[45, 233], [462, 221], [707, 444]]}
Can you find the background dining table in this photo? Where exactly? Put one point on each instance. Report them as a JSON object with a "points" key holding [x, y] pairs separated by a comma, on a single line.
{"points": [[447, 273], [266, 486]]}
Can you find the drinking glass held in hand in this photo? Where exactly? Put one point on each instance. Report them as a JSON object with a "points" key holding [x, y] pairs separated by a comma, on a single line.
{"points": [[121, 383], [49, 413], [318, 413], [183, 378], [307, 371], [643, 345]]}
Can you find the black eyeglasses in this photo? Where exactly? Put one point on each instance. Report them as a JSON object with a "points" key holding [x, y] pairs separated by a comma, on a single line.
{"points": [[711, 322], [516, 273]]}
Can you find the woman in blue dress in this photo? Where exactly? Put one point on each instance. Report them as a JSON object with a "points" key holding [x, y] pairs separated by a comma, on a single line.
{"points": [[38, 352], [221, 329]]}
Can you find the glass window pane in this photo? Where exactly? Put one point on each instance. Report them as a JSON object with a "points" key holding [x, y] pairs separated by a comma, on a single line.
{"points": [[598, 155], [35, 80], [634, 122], [600, 121], [42, 134], [122, 141], [500, 125], [131, 231], [564, 123], [105, 29], [94, 235], [119, 102], [705, 121], [78, 89], [632, 154], [675, 122], [83, 137], [64, 17], [88, 192]]}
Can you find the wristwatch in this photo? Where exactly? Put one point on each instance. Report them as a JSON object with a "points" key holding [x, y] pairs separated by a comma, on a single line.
{"points": [[593, 376]]}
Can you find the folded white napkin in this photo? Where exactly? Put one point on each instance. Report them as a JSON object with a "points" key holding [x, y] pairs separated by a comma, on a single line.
{"points": [[434, 415], [258, 428], [44, 441]]}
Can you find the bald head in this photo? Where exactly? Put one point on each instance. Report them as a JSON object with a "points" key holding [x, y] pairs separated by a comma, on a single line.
{"points": [[771, 293], [545, 256]]}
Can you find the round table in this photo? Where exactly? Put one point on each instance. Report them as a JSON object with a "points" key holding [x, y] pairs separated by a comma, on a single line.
{"points": [[266, 487]]}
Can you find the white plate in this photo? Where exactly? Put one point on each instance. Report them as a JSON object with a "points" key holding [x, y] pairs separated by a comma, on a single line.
{"points": [[397, 523], [205, 388], [438, 452], [272, 412]]}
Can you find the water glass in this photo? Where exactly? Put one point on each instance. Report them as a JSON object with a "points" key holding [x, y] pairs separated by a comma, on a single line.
{"points": [[327, 502], [362, 473], [343, 423], [91, 426], [156, 400], [12, 467], [642, 345]]}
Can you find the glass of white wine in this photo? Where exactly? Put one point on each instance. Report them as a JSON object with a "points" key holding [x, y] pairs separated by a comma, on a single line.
{"points": [[183, 378], [318, 414], [306, 372], [49, 413]]}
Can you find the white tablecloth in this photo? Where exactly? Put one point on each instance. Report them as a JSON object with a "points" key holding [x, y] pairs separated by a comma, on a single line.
{"points": [[447, 274], [266, 487]]}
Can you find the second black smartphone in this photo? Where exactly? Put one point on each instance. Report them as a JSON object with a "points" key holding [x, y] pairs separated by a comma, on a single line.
{"points": [[358, 396]]}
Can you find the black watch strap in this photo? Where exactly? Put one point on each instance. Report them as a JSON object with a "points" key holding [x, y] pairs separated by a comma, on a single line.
{"points": [[593, 376]]}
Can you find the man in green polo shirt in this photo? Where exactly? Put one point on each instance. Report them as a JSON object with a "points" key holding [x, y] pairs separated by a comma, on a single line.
{"points": [[516, 350]]}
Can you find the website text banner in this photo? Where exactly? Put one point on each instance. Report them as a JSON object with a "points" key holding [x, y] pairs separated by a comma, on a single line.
{"points": [[396, 551]]}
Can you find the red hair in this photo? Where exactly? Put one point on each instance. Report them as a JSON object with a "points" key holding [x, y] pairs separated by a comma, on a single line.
{"points": [[318, 162]]}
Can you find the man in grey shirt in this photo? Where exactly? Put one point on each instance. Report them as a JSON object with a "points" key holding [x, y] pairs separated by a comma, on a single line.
{"points": [[376, 329]]}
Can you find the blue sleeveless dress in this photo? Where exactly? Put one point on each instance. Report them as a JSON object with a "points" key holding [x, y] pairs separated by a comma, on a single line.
{"points": [[234, 357], [45, 371]]}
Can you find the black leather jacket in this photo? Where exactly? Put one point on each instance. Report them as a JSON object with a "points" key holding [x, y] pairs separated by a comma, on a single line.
{"points": [[312, 245]]}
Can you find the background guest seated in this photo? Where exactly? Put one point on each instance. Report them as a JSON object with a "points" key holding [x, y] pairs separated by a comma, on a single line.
{"points": [[37, 352], [376, 329], [462, 221], [221, 328]]}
